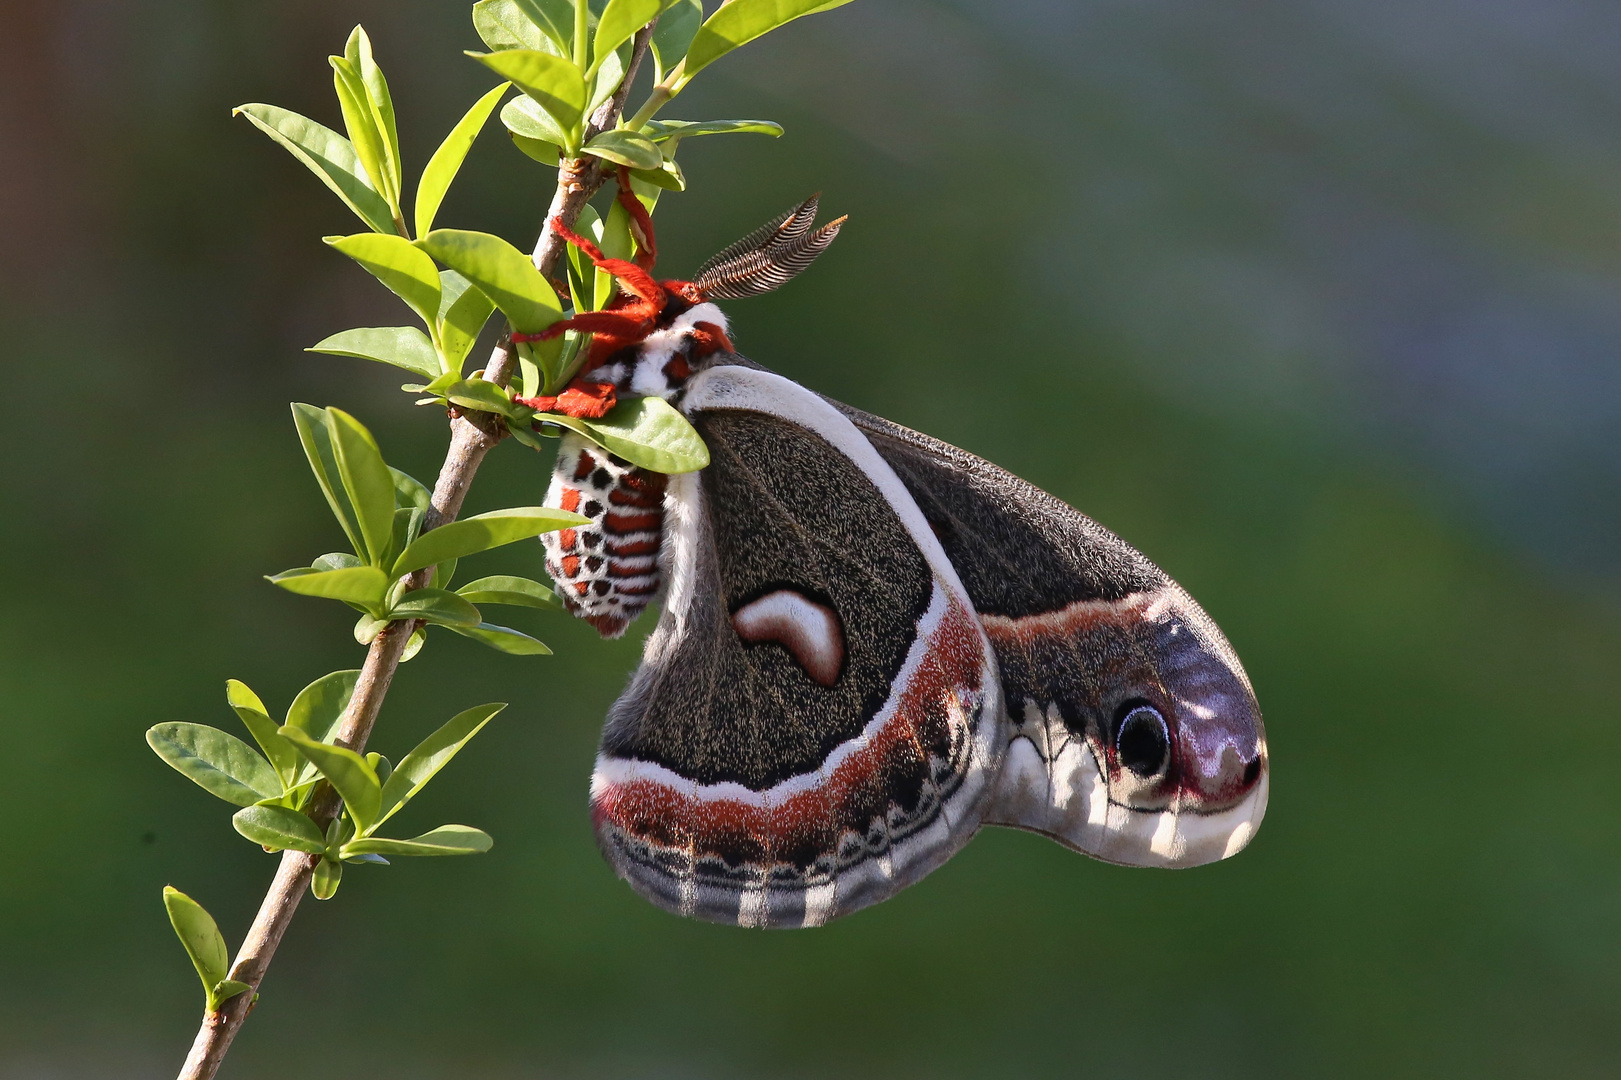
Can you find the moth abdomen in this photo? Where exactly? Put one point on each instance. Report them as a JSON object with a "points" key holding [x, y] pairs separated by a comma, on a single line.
{"points": [[605, 571]]}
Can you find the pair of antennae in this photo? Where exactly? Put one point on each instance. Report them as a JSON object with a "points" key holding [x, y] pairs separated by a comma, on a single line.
{"points": [[770, 256]]}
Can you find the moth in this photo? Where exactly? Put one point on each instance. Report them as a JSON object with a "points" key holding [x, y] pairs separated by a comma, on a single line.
{"points": [[870, 643]]}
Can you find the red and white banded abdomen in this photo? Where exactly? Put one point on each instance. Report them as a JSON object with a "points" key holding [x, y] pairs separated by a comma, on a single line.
{"points": [[606, 571]]}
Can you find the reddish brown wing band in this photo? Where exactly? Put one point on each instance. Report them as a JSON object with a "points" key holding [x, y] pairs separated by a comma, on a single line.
{"points": [[736, 782]]}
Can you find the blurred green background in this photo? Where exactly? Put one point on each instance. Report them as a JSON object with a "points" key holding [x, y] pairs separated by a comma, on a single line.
{"points": [[1314, 301]]}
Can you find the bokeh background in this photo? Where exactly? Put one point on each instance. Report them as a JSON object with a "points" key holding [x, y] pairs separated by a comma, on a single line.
{"points": [[1314, 301]]}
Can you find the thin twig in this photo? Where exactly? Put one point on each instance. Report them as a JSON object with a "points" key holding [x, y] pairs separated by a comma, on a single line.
{"points": [[472, 435]]}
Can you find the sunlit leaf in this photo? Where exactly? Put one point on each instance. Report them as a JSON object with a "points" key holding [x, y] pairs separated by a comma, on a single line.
{"points": [[525, 24], [366, 479], [644, 431], [362, 585], [224, 991], [626, 148], [279, 829], [329, 156], [463, 311], [504, 274], [201, 938], [524, 116], [431, 755], [403, 346], [360, 120], [469, 536], [619, 22], [252, 712], [400, 265], [556, 83], [447, 160], [504, 639], [324, 882], [219, 763], [673, 35], [544, 152], [346, 771], [481, 395], [513, 591], [740, 22], [323, 458], [409, 491], [358, 52], [610, 74], [671, 130], [436, 606], [445, 840], [318, 707]]}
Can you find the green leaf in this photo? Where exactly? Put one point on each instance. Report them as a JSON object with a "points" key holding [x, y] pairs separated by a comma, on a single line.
{"points": [[543, 152], [504, 639], [436, 606], [380, 765], [318, 707], [442, 573], [469, 536], [364, 585], [328, 155], [481, 395], [581, 273], [551, 80], [463, 311], [409, 491], [358, 52], [626, 148], [674, 34], [279, 829], [367, 481], [669, 177], [367, 627], [447, 160], [524, 24], [323, 458], [524, 116], [645, 431], [252, 711], [445, 840], [431, 755], [400, 265], [224, 991], [618, 24], [512, 591], [324, 882], [335, 560], [419, 638], [219, 763], [201, 938], [403, 346], [407, 523], [504, 274], [672, 130], [740, 22], [609, 75], [360, 120], [347, 772]]}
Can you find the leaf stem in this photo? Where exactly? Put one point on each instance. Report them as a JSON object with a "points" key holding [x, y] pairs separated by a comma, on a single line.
{"points": [[472, 435]]}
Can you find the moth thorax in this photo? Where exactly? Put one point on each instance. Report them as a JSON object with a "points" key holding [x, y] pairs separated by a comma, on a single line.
{"points": [[661, 363], [606, 571]]}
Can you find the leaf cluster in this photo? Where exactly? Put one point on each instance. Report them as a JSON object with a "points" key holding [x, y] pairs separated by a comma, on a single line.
{"points": [[273, 785], [567, 59], [382, 511]]}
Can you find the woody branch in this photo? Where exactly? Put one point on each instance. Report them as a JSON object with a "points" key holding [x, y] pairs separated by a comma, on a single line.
{"points": [[472, 435]]}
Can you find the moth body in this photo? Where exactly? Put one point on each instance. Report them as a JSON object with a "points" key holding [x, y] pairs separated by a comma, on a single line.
{"points": [[872, 643]]}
